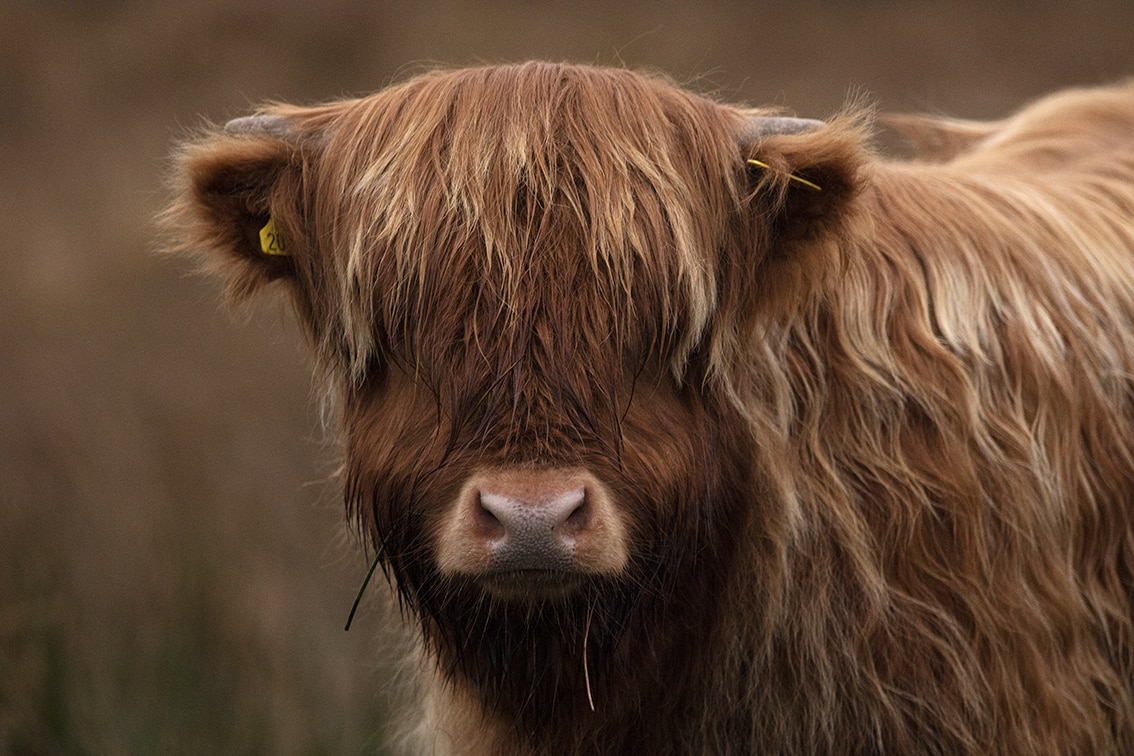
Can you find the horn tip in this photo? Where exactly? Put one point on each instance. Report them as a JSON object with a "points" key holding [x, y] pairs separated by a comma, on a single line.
{"points": [[276, 126], [763, 126]]}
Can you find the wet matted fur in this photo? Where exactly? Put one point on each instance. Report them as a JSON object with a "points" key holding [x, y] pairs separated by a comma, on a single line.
{"points": [[861, 459]]}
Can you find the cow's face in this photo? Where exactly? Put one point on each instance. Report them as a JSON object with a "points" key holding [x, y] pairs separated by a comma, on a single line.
{"points": [[529, 420], [527, 283]]}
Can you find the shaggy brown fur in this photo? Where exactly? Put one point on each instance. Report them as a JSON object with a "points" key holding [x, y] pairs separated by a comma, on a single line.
{"points": [[868, 452]]}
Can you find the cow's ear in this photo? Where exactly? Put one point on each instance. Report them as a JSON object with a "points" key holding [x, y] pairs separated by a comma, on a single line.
{"points": [[801, 173], [239, 201], [802, 178]]}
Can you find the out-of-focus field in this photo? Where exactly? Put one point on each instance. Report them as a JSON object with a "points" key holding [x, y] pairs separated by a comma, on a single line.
{"points": [[175, 571]]}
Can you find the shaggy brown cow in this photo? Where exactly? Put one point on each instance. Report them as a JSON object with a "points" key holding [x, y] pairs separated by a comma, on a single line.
{"points": [[669, 451]]}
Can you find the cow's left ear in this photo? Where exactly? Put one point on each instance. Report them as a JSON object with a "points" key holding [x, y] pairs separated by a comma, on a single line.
{"points": [[801, 173], [239, 201], [801, 179]]}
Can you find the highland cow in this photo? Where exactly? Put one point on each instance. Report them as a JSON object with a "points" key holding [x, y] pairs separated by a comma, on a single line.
{"points": [[682, 427]]}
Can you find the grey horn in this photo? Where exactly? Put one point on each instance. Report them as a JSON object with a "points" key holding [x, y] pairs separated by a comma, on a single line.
{"points": [[271, 125], [763, 126]]}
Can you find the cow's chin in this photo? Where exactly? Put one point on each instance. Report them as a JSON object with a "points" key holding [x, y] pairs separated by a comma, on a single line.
{"points": [[531, 585]]}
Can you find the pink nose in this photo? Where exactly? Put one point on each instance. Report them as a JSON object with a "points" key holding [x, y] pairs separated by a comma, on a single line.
{"points": [[533, 529], [525, 521]]}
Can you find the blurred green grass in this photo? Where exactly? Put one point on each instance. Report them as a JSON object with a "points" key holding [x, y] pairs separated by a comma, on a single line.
{"points": [[175, 571]]}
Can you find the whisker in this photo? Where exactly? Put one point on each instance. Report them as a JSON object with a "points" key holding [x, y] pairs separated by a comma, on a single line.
{"points": [[586, 671]]}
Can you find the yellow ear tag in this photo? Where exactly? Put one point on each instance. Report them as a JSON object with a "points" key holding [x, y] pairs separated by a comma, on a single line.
{"points": [[791, 176], [270, 241]]}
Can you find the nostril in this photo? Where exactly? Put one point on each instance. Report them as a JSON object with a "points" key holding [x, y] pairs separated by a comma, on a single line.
{"points": [[579, 516], [568, 510], [486, 521]]}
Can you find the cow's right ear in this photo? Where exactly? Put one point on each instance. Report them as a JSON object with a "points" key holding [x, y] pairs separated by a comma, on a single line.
{"points": [[239, 201]]}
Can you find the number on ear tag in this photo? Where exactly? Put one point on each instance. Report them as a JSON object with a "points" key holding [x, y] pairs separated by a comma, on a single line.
{"points": [[270, 241]]}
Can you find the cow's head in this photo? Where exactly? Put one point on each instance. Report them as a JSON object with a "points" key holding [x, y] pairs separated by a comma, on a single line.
{"points": [[530, 285]]}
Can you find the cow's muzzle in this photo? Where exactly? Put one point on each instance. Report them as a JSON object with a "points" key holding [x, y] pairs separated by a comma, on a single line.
{"points": [[532, 533]]}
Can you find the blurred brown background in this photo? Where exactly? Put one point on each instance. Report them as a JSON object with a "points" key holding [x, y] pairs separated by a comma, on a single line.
{"points": [[174, 567]]}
